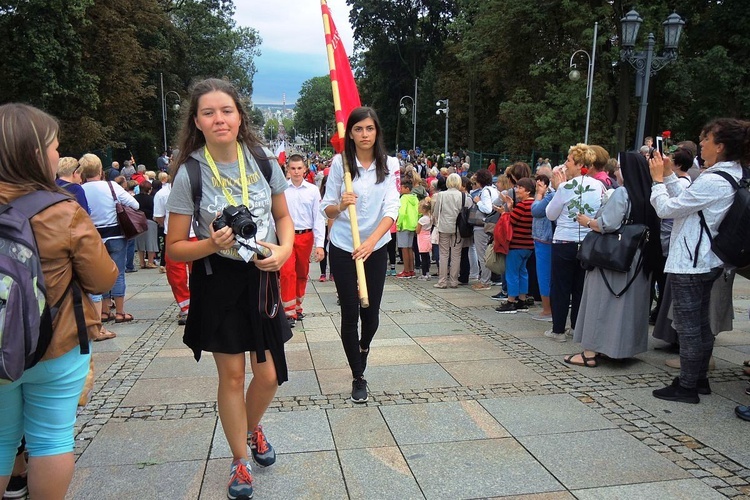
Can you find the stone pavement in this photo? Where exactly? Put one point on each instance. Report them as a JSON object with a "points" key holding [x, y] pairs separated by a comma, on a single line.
{"points": [[465, 403]]}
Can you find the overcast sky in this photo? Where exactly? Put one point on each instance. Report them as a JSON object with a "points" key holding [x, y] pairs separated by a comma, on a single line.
{"points": [[293, 48]]}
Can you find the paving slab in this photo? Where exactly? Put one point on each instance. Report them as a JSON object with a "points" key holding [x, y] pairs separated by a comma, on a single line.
{"points": [[586, 459], [164, 391], [477, 469], [102, 361], [460, 348], [426, 329], [725, 433], [417, 319], [298, 356], [491, 371], [378, 473], [315, 475], [683, 489], [441, 422], [300, 383], [138, 481], [183, 366], [407, 377], [359, 427], [140, 442], [539, 415], [328, 355]]}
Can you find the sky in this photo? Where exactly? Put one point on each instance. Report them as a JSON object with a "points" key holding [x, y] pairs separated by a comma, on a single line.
{"points": [[293, 48]]}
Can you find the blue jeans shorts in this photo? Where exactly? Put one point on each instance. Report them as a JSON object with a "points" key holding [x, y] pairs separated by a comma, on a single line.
{"points": [[42, 406]]}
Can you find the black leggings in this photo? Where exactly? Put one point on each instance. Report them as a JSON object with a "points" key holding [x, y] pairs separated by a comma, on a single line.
{"points": [[343, 268], [392, 250], [425, 256]]}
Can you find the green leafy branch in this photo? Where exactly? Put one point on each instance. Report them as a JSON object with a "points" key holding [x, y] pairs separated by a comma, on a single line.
{"points": [[577, 205]]}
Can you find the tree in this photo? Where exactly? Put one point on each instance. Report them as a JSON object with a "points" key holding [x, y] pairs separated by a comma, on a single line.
{"points": [[271, 129], [315, 105]]}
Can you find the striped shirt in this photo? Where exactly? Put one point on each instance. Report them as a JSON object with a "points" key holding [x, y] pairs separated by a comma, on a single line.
{"points": [[520, 219]]}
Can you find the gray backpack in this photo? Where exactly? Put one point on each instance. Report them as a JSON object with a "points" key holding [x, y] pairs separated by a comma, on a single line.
{"points": [[25, 316]]}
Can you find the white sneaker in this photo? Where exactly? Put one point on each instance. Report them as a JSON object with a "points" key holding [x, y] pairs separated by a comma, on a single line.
{"points": [[559, 337], [427, 277]]}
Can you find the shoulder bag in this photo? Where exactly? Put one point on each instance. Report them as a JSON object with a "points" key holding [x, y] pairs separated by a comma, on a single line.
{"points": [[132, 222]]}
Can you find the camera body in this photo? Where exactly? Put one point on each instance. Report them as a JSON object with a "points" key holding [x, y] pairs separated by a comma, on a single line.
{"points": [[239, 219]]}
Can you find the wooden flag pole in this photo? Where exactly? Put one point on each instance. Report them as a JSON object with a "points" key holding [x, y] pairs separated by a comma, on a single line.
{"points": [[364, 298]]}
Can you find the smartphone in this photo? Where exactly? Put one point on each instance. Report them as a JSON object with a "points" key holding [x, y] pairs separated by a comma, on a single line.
{"points": [[660, 144]]}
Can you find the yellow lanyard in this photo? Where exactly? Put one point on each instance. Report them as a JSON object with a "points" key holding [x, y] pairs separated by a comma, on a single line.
{"points": [[243, 177]]}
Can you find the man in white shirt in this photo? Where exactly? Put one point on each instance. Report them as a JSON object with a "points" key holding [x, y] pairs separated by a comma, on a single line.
{"points": [[177, 272], [303, 200]]}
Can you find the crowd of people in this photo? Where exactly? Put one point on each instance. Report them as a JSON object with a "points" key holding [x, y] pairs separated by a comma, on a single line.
{"points": [[236, 232]]}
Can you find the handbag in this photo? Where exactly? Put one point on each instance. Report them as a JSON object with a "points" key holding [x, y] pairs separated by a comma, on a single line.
{"points": [[132, 222], [476, 216], [490, 221], [494, 261], [615, 251]]}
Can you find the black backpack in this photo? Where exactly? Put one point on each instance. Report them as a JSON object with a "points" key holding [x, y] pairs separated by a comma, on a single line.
{"points": [[732, 244], [464, 228]]}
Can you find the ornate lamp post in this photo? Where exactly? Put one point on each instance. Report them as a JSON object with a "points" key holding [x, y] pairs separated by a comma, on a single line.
{"points": [[175, 107], [402, 108], [645, 62], [445, 110], [575, 75]]}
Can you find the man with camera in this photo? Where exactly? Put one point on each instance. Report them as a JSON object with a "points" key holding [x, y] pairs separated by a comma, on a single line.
{"points": [[303, 200]]}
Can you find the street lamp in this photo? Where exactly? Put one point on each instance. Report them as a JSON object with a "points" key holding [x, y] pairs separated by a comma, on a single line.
{"points": [[645, 62], [445, 110], [175, 107], [575, 75], [413, 113]]}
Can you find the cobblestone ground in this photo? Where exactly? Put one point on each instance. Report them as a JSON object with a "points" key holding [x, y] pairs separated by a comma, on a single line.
{"points": [[598, 392]]}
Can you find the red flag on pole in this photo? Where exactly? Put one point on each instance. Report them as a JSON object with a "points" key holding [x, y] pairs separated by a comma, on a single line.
{"points": [[345, 93]]}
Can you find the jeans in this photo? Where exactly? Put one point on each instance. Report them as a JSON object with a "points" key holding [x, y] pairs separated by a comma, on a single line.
{"points": [[345, 272], [543, 253], [691, 295], [130, 255], [516, 273], [117, 248], [567, 285], [481, 240]]}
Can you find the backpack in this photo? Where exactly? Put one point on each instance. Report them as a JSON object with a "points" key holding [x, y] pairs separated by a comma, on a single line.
{"points": [[25, 316], [732, 244], [464, 228]]}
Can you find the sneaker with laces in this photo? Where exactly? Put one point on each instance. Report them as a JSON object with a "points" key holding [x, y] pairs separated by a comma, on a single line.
{"points": [[261, 450], [322, 278], [404, 275], [182, 318], [499, 296], [359, 390], [559, 337], [17, 487], [240, 485], [530, 301], [521, 306], [507, 308]]}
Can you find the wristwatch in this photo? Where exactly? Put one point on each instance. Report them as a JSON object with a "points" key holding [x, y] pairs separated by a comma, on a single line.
{"points": [[588, 224], [654, 183]]}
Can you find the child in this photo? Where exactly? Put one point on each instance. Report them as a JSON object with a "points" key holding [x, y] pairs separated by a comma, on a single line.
{"points": [[424, 227], [406, 224]]}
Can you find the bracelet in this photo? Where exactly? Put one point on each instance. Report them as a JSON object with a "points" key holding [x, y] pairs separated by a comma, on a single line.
{"points": [[588, 224], [654, 183]]}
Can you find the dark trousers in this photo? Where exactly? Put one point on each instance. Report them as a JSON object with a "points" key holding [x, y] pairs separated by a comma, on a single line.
{"points": [[463, 270], [567, 282], [691, 295], [345, 272], [425, 256], [392, 250], [417, 255]]}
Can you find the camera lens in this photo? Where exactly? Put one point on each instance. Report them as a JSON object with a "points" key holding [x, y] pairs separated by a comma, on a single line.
{"points": [[245, 228]]}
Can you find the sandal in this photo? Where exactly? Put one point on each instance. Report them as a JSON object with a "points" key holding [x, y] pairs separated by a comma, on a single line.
{"points": [[150, 266], [123, 317], [107, 317], [588, 362], [105, 334]]}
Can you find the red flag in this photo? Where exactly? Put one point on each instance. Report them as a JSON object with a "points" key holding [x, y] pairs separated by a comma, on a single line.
{"points": [[281, 152], [345, 94]]}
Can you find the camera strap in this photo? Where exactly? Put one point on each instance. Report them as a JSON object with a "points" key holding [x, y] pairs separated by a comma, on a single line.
{"points": [[220, 182], [269, 298]]}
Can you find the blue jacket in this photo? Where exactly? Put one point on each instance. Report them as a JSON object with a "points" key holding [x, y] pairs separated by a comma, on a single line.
{"points": [[541, 226]]}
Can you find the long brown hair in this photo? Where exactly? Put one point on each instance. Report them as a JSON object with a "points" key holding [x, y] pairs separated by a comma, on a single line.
{"points": [[191, 138], [25, 134], [350, 149]]}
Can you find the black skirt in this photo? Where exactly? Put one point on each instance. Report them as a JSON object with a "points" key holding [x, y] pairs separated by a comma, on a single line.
{"points": [[225, 315]]}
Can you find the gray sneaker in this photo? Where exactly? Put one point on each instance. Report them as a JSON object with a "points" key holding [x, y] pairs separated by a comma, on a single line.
{"points": [[559, 337], [359, 390]]}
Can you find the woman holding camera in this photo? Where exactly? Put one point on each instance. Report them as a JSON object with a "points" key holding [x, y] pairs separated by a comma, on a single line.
{"points": [[233, 300], [376, 200]]}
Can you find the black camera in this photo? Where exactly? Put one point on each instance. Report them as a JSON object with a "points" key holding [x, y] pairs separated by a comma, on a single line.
{"points": [[239, 219]]}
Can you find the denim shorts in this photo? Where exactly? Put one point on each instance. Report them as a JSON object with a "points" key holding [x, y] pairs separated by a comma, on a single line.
{"points": [[42, 406]]}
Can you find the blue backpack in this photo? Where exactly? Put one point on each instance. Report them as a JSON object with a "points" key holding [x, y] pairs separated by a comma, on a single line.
{"points": [[25, 316]]}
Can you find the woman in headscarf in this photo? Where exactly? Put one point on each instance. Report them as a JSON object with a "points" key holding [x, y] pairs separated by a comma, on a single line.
{"points": [[625, 317]]}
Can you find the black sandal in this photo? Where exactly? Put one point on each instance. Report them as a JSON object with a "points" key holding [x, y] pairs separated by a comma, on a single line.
{"points": [[588, 362]]}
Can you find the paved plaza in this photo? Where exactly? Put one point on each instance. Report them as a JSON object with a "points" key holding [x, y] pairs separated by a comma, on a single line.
{"points": [[465, 403]]}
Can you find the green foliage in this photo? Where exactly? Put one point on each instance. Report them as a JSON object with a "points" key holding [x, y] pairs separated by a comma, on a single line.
{"points": [[314, 107], [576, 205], [271, 129]]}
